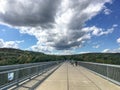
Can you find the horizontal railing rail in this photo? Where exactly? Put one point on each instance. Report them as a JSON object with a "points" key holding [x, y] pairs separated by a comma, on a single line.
{"points": [[14, 74], [108, 71], [10, 67]]}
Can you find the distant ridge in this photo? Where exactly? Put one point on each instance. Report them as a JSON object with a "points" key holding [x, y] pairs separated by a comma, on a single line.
{"points": [[10, 56]]}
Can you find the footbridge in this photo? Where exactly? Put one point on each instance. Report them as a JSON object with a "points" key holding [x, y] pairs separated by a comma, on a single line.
{"points": [[60, 75]]}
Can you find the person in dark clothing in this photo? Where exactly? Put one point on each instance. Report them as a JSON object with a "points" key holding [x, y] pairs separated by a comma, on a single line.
{"points": [[76, 63]]}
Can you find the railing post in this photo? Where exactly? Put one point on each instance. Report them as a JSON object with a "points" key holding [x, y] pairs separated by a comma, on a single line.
{"points": [[107, 72], [29, 70], [17, 77], [37, 70]]}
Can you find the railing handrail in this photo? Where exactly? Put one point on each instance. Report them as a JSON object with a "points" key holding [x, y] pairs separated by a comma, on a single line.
{"points": [[111, 65], [21, 68], [9, 67]]}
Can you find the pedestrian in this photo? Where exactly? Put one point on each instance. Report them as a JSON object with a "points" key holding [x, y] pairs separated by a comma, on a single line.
{"points": [[76, 63]]}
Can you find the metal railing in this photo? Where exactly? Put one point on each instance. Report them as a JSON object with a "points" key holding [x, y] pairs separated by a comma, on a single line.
{"points": [[108, 71], [14, 74]]}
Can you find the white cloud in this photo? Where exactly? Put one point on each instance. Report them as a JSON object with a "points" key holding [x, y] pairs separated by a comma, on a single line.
{"points": [[41, 48], [100, 31], [116, 50], [84, 52], [96, 31], [107, 11], [118, 40], [66, 52], [115, 25], [97, 46], [106, 51], [56, 24], [9, 44]]}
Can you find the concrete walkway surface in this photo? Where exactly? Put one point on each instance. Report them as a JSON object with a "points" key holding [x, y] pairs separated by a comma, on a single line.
{"points": [[68, 77]]}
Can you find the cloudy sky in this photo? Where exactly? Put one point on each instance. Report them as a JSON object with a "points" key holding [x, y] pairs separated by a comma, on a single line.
{"points": [[60, 26]]}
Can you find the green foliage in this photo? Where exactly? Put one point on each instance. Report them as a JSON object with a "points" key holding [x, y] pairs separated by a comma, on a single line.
{"points": [[10, 56], [108, 58]]}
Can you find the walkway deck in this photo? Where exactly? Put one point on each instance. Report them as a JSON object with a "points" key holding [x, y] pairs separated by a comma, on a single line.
{"points": [[67, 77]]}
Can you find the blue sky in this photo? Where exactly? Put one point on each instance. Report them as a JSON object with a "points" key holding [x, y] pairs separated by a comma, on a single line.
{"points": [[12, 34], [61, 26]]}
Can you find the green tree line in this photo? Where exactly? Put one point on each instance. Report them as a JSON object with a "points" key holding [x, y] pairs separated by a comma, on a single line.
{"points": [[10, 56]]}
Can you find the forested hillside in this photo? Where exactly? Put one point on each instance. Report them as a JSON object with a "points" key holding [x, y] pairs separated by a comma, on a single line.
{"points": [[10, 56], [109, 58]]}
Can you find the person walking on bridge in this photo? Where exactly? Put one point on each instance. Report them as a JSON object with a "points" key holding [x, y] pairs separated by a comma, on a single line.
{"points": [[76, 63]]}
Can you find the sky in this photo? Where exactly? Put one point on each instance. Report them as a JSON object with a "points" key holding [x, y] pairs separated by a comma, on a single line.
{"points": [[61, 26]]}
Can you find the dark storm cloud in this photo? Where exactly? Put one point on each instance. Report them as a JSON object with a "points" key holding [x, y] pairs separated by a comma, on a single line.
{"points": [[71, 40], [30, 12]]}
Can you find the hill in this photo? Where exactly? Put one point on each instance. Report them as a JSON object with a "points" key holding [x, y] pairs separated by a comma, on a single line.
{"points": [[108, 58], [10, 56]]}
